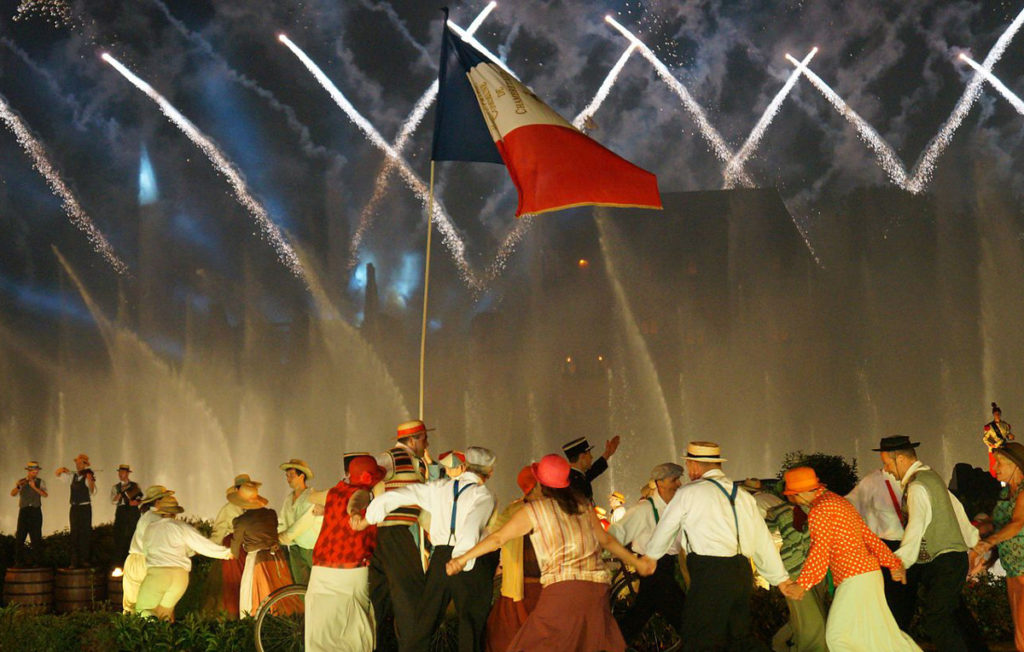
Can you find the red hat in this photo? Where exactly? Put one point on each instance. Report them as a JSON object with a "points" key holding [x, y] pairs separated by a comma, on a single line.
{"points": [[363, 471], [552, 471], [526, 479]]}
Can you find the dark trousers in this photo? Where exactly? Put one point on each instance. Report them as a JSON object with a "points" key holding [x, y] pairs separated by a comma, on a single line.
{"points": [[81, 533], [30, 524], [717, 611], [397, 584], [944, 615], [898, 595], [659, 593], [125, 519], [472, 591]]}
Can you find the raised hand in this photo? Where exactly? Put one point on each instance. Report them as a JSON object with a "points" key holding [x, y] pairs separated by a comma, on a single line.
{"points": [[611, 446]]}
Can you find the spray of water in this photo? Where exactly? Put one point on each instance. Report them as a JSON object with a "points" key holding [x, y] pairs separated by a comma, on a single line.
{"points": [[606, 87], [69, 203], [757, 133], [710, 134], [887, 158], [404, 134], [234, 177], [449, 234], [1010, 96]]}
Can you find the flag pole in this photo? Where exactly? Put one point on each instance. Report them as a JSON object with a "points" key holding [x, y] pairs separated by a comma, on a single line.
{"points": [[426, 283]]}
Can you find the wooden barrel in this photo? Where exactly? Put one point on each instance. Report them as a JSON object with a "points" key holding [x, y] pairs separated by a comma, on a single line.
{"points": [[79, 589], [115, 591], [31, 588]]}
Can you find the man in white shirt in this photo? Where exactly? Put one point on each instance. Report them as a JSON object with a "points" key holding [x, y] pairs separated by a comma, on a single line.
{"points": [[724, 532], [168, 545], [659, 592], [459, 510], [877, 498], [134, 571], [298, 527], [934, 548]]}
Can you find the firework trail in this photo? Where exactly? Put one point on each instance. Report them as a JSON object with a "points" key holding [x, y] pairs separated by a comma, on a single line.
{"points": [[606, 87], [74, 210], [449, 234], [79, 119], [468, 37], [406, 131], [887, 158], [234, 177], [1010, 96], [291, 119], [925, 166], [711, 135], [757, 133]]}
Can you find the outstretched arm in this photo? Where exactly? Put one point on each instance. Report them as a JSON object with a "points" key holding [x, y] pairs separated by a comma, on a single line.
{"points": [[519, 525]]}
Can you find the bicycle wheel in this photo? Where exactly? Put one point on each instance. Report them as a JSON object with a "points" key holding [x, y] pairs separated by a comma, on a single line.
{"points": [[281, 620]]}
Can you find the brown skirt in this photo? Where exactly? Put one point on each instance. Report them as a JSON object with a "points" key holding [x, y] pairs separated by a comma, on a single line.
{"points": [[570, 616], [507, 616]]}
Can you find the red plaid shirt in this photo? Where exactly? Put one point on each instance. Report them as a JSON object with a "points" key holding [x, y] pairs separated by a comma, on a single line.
{"points": [[841, 541], [339, 546]]}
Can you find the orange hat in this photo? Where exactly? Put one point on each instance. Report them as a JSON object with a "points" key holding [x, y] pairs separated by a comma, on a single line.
{"points": [[801, 479], [526, 479]]}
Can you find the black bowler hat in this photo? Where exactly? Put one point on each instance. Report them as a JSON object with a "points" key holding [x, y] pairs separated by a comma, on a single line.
{"points": [[895, 443], [576, 447]]}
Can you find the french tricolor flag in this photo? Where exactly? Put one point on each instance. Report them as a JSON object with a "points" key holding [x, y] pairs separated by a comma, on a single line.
{"points": [[485, 114]]}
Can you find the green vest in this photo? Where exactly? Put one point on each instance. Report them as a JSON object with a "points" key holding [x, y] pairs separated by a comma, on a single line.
{"points": [[943, 533]]}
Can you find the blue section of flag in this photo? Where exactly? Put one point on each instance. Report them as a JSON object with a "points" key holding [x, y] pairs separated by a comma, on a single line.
{"points": [[460, 133]]}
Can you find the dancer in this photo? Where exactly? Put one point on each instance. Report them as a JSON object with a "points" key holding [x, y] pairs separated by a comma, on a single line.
{"points": [[299, 527], [877, 498], [585, 469], [459, 510], [934, 547], [859, 619], [397, 578], [125, 494], [659, 592], [573, 612], [616, 506], [339, 614], [995, 433], [168, 545], [724, 532], [134, 571], [266, 566], [225, 576], [30, 491], [83, 486], [1008, 519], [520, 573]]}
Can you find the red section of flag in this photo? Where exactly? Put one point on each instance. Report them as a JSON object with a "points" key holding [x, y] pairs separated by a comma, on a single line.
{"points": [[558, 167]]}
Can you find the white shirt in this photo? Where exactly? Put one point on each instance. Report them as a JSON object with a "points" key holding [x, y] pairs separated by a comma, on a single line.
{"points": [[476, 504], [168, 542], [297, 523], [919, 512], [224, 523], [701, 512], [140, 530], [637, 525], [874, 503]]}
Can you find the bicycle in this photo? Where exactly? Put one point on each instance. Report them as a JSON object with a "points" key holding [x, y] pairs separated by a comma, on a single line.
{"points": [[281, 620], [656, 634]]}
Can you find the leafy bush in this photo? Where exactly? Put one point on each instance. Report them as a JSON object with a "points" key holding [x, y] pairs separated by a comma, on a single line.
{"points": [[839, 475]]}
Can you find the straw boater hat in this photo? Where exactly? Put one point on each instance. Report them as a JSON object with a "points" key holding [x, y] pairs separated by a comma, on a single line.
{"points": [[168, 505], [800, 479], [248, 497], [33, 466], [703, 451], [298, 465], [411, 429], [155, 492], [124, 467]]}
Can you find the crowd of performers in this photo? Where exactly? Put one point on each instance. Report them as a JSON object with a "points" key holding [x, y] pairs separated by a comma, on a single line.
{"points": [[401, 536]]}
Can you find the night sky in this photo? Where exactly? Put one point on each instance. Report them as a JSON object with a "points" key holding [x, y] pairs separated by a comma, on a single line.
{"points": [[221, 65]]}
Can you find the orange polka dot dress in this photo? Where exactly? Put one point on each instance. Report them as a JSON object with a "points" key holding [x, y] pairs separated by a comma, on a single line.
{"points": [[842, 542]]}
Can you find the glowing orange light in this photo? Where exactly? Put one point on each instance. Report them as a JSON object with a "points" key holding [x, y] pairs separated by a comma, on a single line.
{"points": [[583, 263]]}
